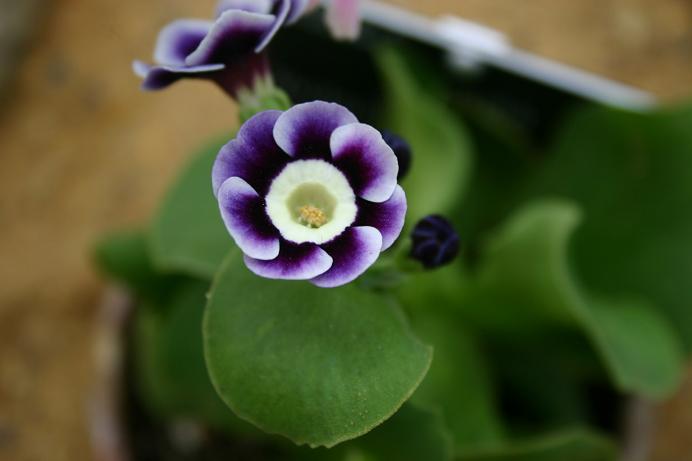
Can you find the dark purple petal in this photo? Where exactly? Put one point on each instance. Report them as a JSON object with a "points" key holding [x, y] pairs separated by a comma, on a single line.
{"points": [[304, 130], [281, 11], [353, 252], [253, 155], [159, 77], [253, 6], [295, 262], [242, 210], [234, 34], [367, 161], [178, 39], [387, 217]]}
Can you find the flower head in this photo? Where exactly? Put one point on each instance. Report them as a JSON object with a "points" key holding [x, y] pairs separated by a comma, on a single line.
{"points": [[309, 194], [435, 242], [227, 50]]}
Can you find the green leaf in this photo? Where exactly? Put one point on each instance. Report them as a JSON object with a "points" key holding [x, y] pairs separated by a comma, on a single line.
{"points": [[441, 163], [525, 279], [125, 257], [187, 234], [314, 365], [412, 434], [458, 383], [632, 176], [576, 445], [169, 361]]}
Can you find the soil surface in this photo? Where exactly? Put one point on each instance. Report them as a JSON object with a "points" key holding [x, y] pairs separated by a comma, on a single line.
{"points": [[84, 152]]}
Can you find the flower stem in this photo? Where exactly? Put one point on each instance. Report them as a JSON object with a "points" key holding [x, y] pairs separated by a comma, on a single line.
{"points": [[264, 96]]}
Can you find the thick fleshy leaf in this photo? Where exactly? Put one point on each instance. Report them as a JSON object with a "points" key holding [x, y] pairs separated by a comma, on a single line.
{"points": [[574, 445], [295, 262], [188, 234], [458, 384], [171, 374], [178, 39], [441, 150], [412, 434], [234, 34], [353, 253], [632, 175], [125, 257], [316, 366], [387, 217], [242, 210], [305, 130], [367, 161], [525, 280], [253, 155]]}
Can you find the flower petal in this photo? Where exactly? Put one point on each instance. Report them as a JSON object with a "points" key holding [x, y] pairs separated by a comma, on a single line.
{"points": [[234, 34], [367, 161], [295, 262], [387, 217], [242, 210], [253, 155], [343, 19], [253, 6], [353, 252], [159, 77], [304, 130], [281, 10], [178, 39]]}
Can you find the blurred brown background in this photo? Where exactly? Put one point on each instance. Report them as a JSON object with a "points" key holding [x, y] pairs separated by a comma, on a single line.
{"points": [[83, 151]]}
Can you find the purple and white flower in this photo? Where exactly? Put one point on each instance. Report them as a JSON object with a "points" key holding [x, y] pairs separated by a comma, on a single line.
{"points": [[309, 194], [228, 50]]}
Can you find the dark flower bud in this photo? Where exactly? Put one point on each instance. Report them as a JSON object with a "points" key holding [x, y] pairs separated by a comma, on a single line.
{"points": [[401, 149], [435, 242]]}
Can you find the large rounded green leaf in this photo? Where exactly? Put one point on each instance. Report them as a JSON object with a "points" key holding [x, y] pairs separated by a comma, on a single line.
{"points": [[317, 366]]}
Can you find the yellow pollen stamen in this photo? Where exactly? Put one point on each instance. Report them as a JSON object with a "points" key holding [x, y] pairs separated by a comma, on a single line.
{"points": [[312, 216]]}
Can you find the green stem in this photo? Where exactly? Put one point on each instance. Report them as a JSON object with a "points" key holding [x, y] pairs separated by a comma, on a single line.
{"points": [[264, 96]]}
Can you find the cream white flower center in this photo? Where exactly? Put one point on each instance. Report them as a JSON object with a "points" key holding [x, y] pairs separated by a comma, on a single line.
{"points": [[311, 201]]}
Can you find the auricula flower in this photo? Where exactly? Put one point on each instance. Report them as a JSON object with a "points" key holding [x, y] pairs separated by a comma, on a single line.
{"points": [[227, 50], [435, 242], [309, 194]]}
